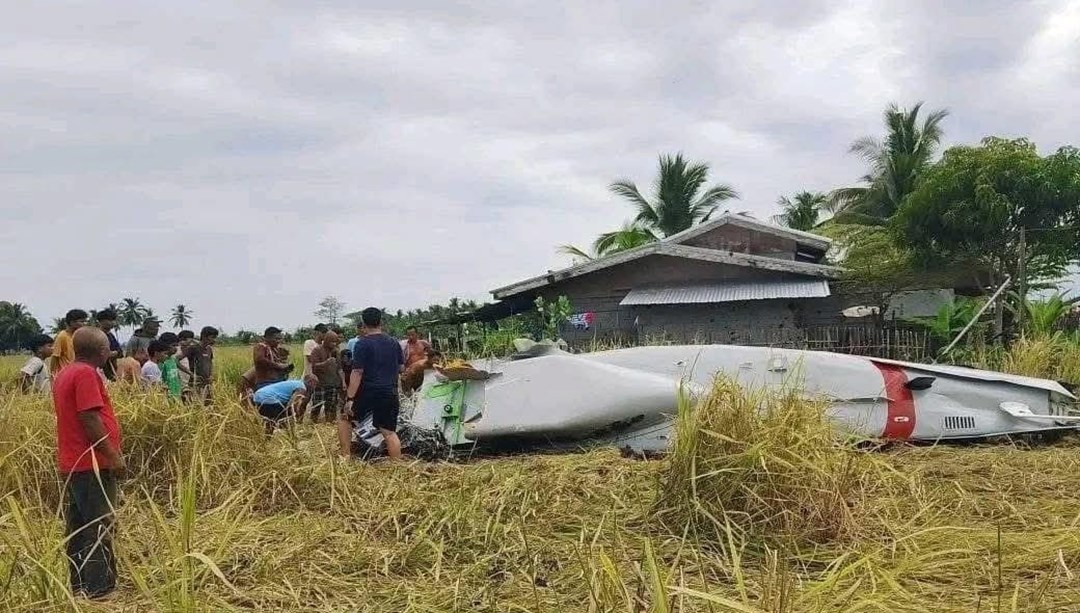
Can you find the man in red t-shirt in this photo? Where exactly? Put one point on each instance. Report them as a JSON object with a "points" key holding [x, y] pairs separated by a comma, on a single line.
{"points": [[88, 455]]}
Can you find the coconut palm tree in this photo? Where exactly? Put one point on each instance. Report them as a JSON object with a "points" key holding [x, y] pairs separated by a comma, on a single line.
{"points": [[181, 316], [896, 163], [132, 312], [17, 325], [803, 211], [629, 236], [680, 197]]}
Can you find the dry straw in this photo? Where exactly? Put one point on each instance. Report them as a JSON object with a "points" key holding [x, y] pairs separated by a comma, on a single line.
{"points": [[758, 508]]}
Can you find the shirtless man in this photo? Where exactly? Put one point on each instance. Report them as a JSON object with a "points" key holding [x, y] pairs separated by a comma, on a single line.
{"points": [[413, 347], [413, 377], [330, 393], [270, 359], [129, 368]]}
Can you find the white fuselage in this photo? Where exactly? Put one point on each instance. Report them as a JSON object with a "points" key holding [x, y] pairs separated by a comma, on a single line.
{"points": [[628, 396]]}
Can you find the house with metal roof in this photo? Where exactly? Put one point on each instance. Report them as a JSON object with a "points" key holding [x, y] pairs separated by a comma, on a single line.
{"points": [[717, 282]]}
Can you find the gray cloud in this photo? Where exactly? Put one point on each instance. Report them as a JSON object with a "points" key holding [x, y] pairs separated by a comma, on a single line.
{"points": [[248, 158]]}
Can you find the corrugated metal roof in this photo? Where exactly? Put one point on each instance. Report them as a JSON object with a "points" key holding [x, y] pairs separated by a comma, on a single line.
{"points": [[728, 291]]}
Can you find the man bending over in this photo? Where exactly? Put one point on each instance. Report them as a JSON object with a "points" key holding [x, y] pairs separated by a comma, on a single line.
{"points": [[283, 400]]}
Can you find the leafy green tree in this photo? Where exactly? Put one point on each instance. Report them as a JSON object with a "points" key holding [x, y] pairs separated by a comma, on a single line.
{"points": [[803, 211], [874, 266], [681, 197], [553, 314], [17, 326], [896, 164], [245, 337], [630, 236], [974, 203], [181, 316]]}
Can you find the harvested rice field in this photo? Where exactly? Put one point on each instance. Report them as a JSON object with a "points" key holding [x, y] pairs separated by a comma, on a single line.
{"points": [[751, 511]]}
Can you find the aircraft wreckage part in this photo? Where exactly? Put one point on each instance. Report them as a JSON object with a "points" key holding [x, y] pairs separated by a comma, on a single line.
{"points": [[563, 397], [949, 401], [900, 417], [627, 397]]}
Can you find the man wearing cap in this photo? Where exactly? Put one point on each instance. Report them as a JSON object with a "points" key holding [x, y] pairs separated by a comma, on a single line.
{"points": [[141, 338]]}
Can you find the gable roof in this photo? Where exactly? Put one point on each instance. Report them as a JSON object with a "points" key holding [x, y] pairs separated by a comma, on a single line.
{"points": [[673, 246], [747, 222], [675, 250]]}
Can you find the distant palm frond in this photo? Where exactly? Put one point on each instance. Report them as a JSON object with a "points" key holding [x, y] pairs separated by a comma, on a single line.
{"points": [[895, 165], [680, 197], [803, 212]]}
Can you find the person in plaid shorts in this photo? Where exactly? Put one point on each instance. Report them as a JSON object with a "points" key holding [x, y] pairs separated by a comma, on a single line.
{"points": [[329, 394]]}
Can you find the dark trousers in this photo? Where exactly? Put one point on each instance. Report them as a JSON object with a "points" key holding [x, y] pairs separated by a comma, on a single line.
{"points": [[90, 501]]}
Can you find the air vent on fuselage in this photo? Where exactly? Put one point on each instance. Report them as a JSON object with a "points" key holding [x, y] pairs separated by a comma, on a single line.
{"points": [[959, 422]]}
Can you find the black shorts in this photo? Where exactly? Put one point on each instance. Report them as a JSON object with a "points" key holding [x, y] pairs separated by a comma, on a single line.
{"points": [[274, 411], [382, 406]]}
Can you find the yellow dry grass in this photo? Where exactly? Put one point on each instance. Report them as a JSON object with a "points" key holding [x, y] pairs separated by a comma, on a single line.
{"points": [[756, 512]]}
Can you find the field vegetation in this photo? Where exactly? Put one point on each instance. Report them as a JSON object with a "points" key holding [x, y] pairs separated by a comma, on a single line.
{"points": [[752, 511]]}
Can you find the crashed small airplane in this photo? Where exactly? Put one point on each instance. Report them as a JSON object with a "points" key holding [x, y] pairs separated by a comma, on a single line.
{"points": [[627, 397]]}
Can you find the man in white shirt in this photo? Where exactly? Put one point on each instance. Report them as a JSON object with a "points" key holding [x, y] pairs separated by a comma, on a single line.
{"points": [[34, 375], [310, 345], [151, 370]]}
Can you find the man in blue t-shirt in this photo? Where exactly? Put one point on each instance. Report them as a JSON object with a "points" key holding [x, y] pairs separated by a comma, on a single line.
{"points": [[278, 401], [351, 343], [377, 362]]}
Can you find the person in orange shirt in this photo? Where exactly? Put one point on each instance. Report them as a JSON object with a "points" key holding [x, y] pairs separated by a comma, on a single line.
{"points": [[63, 347]]}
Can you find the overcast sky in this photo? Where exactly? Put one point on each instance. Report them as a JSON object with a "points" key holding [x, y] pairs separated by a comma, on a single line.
{"points": [[247, 158]]}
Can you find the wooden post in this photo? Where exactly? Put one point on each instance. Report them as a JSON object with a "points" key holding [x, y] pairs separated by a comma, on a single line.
{"points": [[1021, 273], [999, 317]]}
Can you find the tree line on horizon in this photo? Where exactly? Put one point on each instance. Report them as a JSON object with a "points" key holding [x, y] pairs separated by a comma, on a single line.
{"points": [[18, 325]]}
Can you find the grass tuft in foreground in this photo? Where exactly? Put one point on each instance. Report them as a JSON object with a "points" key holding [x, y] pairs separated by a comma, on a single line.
{"points": [[764, 463]]}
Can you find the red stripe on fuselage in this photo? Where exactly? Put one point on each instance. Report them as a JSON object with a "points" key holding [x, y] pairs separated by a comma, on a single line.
{"points": [[900, 421]]}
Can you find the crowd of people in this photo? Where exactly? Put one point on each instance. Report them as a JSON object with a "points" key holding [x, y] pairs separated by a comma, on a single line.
{"points": [[348, 385], [179, 365]]}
